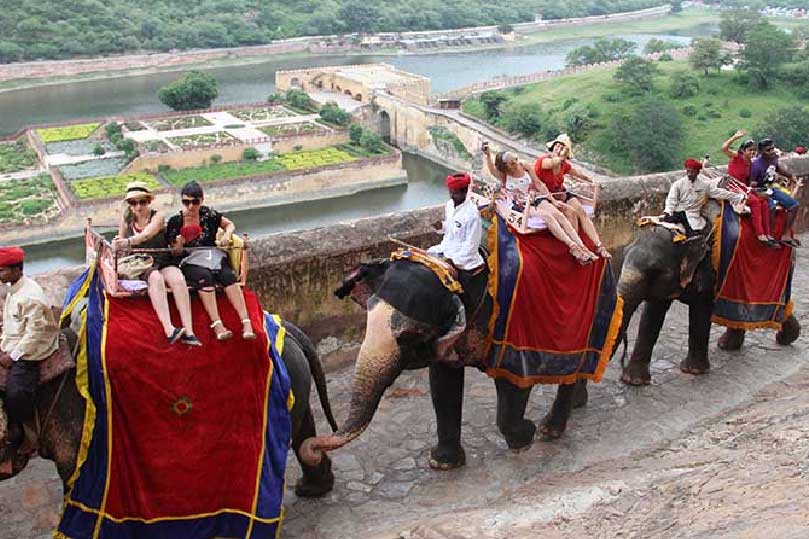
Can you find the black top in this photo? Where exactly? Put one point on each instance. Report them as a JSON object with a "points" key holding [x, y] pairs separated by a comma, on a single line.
{"points": [[209, 220]]}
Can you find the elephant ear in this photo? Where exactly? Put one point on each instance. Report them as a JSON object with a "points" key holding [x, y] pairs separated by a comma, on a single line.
{"points": [[363, 280]]}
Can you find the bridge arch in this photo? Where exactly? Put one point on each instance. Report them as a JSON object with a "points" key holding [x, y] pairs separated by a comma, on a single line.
{"points": [[384, 127]]}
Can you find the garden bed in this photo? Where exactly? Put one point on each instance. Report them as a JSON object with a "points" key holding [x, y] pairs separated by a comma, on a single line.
{"points": [[182, 122], [77, 147], [303, 128], [355, 150], [68, 132], [26, 199], [109, 186], [263, 114], [97, 167], [16, 156], [157, 145], [202, 140], [314, 158], [134, 126]]}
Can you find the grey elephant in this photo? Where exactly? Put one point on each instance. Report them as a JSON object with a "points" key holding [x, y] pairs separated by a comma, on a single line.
{"points": [[408, 309]]}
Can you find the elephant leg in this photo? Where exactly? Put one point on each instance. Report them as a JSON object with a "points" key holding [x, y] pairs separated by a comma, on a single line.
{"points": [[789, 332], [637, 373], [731, 340], [446, 390], [699, 332], [580, 395], [555, 423], [316, 480], [518, 431]]}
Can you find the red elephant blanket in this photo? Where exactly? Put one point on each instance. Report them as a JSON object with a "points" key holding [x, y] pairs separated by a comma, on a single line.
{"points": [[554, 321]]}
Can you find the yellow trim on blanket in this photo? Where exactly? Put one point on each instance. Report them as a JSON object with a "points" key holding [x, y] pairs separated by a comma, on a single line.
{"points": [[79, 294], [514, 294], [491, 286], [716, 251], [749, 326], [108, 394]]}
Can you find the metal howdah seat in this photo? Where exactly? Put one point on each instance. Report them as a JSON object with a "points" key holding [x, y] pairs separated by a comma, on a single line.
{"points": [[98, 251], [511, 204]]}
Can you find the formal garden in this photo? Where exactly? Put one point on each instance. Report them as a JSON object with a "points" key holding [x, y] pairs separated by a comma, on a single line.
{"points": [[303, 128], [201, 140], [263, 114], [109, 186], [16, 156], [182, 122], [30, 198], [68, 132]]}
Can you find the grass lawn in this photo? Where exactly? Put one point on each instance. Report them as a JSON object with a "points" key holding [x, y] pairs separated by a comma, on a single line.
{"points": [[719, 95]]}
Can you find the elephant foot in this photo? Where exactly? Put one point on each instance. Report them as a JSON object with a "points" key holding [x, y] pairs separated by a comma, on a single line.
{"points": [[695, 366], [731, 340], [444, 459], [551, 431], [316, 482], [789, 332], [580, 394], [521, 435], [636, 374]]}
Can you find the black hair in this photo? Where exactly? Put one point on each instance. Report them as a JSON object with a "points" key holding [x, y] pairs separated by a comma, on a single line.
{"points": [[500, 162], [750, 143], [763, 143], [192, 189], [18, 265]]}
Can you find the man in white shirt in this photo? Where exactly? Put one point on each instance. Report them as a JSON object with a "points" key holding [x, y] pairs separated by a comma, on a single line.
{"points": [[30, 334], [688, 195], [461, 227]]}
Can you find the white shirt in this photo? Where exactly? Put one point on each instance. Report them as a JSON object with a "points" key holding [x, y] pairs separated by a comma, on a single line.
{"points": [[30, 331], [690, 197], [523, 183], [462, 233]]}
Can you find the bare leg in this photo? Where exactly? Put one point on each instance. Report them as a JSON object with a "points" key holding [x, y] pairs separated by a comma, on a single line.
{"points": [[587, 225], [160, 304], [208, 297], [562, 230], [236, 297], [176, 282]]}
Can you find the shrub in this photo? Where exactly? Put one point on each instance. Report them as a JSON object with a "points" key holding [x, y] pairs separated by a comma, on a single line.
{"points": [[714, 114], [112, 128], [689, 110], [371, 142], [701, 118], [216, 158], [297, 148], [98, 149], [275, 98], [745, 113], [355, 133], [683, 85], [333, 114], [162, 167], [250, 154], [665, 57]]}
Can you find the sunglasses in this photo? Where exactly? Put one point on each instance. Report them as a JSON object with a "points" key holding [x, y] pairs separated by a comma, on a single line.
{"points": [[139, 202], [191, 202]]}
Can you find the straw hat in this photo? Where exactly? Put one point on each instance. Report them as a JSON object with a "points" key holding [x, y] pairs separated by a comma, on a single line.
{"points": [[138, 190], [564, 139]]}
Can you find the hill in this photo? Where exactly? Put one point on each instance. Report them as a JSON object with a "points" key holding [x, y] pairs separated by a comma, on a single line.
{"points": [[51, 29]]}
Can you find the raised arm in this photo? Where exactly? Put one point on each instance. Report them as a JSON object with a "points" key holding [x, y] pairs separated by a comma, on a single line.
{"points": [[726, 145], [539, 185], [487, 158], [229, 227]]}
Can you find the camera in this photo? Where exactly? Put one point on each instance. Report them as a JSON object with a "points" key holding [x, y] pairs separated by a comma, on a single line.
{"points": [[484, 145]]}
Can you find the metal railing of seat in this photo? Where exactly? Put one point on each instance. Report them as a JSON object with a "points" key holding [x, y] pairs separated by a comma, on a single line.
{"points": [[100, 252]]}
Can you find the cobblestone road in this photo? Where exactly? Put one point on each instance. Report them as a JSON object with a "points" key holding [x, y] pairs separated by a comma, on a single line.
{"points": [[705, 457]]}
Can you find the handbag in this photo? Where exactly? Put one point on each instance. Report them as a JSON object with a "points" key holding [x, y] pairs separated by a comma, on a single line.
{"points": [[132, 267], [205, 258]]}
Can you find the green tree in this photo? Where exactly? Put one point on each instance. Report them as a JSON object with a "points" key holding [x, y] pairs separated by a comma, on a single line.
{"points": [[333, 114], [355, 133], [637, 74], [492, 99], [299, 99], [655, 45], [706, 55], [650, 136], [736, 24], [195, 90], [524, 118], [602, 50], [9, 52], [766, 50], [788, 127], [250, 154], [371, 141], [683, 84], [360, 16], [505, 28]]}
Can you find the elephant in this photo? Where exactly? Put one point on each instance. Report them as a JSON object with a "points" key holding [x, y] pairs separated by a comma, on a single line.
{"points": [[62, 408], [408, 309], [651, 272]]}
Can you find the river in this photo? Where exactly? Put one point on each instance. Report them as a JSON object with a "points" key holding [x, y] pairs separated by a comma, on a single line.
{"points": [[137, 94]]}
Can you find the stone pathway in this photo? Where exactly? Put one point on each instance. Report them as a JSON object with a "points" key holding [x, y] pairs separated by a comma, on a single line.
{"points": [[691, 457]]}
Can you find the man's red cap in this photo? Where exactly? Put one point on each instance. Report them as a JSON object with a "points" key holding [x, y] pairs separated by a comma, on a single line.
{"points": [[11, 255], [693, 164], [800, 150], [190, 232], [459, 181]]}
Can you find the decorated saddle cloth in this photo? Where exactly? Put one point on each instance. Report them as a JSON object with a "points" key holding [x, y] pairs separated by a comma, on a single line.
{"points": [[554, 321], [447, 274], [753, 282], [179, 442]]}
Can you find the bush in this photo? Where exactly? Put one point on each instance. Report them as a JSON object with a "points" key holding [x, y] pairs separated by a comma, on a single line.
{"points": [[162, 167], [112, 128], [683, 85], [299, 99], [297, 148], [333, 114], [745, 113], [371, 142], [250, 154], [689, 110], [355, 133], [650, 136], [714, 114], [701, 118], [665, 57], [98, 149], [788, 127], [275, 98], [216, 158]]}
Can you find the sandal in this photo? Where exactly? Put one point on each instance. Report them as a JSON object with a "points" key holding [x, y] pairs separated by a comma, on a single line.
{"points": [[176, 335], [581, 254], [221, 335], [602, 251], [191, 340], [248, 335]]}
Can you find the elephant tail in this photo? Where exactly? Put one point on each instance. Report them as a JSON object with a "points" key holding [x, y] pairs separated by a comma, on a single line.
{"points": [[315, 367]]}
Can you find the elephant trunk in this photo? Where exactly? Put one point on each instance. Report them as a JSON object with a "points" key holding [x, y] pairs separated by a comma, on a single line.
{"points": [[632, 288], [377, 367]]}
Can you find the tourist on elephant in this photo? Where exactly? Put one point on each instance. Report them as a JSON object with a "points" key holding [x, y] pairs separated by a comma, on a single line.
{"points": [[505, 166], [739, 168], [762, 176], [30, 335], [205, 266], [689, 194], [551, 169], [141, 226]]}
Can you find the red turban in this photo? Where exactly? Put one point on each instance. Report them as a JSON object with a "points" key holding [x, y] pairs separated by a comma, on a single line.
{"points": [[458, 181], [11, 255], [693, 164], [800, 150], [190, 232]]}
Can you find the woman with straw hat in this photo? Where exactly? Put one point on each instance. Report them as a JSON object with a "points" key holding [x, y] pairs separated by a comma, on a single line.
{"points": [[141, 226]]}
